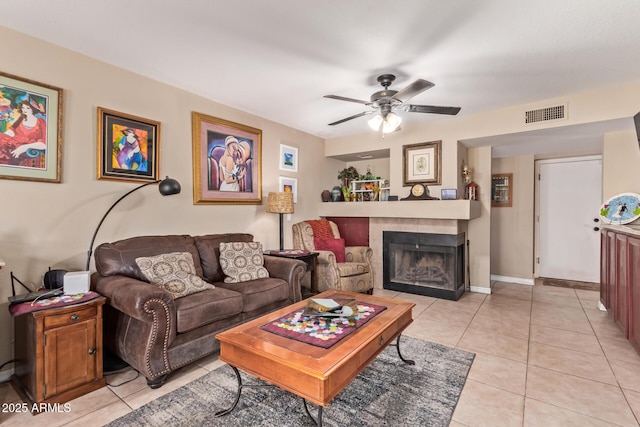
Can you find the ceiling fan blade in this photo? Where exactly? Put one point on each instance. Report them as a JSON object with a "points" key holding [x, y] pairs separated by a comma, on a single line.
{"points": [[351, 117], [412, 90], [433, 109], [342, 98]]}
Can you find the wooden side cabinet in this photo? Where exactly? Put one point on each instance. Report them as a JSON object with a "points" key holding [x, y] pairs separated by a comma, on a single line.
{"points": [[58, 353], [634, 292]]}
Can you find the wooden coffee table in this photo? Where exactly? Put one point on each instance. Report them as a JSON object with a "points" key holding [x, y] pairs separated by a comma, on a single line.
{"points": [[316, 374]]}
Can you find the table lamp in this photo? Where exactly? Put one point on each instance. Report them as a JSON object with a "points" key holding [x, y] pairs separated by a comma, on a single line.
{"points": [[280, 203]]}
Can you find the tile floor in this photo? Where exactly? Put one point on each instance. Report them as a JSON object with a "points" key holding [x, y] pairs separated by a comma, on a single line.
{"points": [[545, 356]]}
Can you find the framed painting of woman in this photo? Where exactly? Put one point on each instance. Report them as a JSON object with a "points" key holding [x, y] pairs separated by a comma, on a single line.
{"points": [[227, 163], [128, 147], [30, 130]]}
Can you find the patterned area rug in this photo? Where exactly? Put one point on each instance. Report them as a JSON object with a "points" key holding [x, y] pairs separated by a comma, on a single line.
{"points": [[387, 392]]}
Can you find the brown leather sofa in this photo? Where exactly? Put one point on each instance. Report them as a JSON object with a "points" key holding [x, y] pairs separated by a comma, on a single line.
{"points": [[155, 333]]}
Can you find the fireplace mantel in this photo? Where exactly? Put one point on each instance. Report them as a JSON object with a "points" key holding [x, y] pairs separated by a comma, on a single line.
{"points": [[427, 209]]}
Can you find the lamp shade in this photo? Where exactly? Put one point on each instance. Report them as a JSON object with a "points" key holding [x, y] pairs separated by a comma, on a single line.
{"points": [[389, 122], [280, 202], [169, 186]]}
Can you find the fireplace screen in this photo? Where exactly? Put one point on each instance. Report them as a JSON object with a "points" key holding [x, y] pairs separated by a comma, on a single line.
{"points": [[424, 263], [424, 268]]}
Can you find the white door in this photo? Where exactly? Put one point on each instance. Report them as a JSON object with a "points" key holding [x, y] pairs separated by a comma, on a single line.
{"points": [[569, 200]]}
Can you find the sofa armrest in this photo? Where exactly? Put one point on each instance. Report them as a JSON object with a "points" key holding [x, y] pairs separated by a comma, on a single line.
{"points": [[140, 300], [358, 254], [288, 269]]}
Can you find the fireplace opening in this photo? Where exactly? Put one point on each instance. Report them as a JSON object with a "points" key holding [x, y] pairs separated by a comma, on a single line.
{"points": [[424, 263]]}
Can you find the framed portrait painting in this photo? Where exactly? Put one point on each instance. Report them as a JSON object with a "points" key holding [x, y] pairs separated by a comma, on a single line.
{"points": [[422, 163], [227, 161], [128, 147], [288, 158], [30, 130], [288, 185]]}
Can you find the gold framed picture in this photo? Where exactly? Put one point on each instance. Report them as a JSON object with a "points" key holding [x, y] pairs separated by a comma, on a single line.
{"points": [[227, 161]]}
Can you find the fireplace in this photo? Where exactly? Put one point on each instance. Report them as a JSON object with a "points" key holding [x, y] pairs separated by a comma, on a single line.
{"points": [[424, 263]]}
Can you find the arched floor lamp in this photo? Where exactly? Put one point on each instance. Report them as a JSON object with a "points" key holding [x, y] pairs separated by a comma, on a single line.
{"points": [[167, 187]]}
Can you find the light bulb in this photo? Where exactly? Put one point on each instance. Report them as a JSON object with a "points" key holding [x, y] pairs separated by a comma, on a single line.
{"points": [[375, 122]]}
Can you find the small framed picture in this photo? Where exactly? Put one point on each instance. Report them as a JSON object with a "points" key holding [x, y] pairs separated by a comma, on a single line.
{"points": [[502, 190], [128, 147], [289, 185], [448, 194], [288, 158], [422, 163]]}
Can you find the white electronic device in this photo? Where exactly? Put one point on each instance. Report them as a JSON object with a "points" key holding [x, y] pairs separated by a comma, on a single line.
{"points": [[76, 282]]}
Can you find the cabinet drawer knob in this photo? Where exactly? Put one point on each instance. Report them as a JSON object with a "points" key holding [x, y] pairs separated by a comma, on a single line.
{"points": [[380, 340], [75, 317], [92, 351]]}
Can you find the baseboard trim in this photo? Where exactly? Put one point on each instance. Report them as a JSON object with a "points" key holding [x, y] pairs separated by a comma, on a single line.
{"points": [[518, 280], [480, 290]]}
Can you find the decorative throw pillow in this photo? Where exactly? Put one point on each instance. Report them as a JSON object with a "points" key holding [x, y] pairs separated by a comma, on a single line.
{"points": [[334, 245], [242, 261], [321, 228], [174, 272]]}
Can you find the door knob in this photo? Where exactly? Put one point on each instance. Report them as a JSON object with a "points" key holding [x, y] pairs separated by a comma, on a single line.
{"points": [[92, 351]]}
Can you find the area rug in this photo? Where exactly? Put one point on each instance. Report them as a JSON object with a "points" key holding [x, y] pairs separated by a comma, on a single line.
{"points": [[387, 392]]}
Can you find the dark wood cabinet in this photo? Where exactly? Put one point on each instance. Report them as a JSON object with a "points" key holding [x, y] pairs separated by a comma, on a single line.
{"points": [[58, 352], [605, 262], [633, 252], [620, 281], [621, 285]]}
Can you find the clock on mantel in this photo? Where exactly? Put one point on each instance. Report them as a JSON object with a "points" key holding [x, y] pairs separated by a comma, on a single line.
{"points": [[419, 192]]}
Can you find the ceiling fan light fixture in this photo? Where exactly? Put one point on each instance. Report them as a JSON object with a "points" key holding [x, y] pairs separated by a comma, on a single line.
{"points": [[391, 123], [375, 122]]}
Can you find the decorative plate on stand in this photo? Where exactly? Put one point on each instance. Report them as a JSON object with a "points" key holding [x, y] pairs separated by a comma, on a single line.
{"points": [[621, 209]]}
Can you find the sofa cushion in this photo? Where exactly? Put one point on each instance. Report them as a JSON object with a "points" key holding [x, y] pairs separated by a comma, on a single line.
{"points": [[259, 293], [174, 272], [209, 250], [352, 268], [206, 307], [330, 244], [120, 257], [242, 261]]}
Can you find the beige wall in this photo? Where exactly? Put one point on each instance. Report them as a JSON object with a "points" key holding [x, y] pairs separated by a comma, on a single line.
{"points": [[45, 224], [479, 230], [620, 164], [512, 228]]}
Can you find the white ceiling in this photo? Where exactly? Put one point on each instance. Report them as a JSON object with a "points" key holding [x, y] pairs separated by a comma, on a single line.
{"points": [[277, 58]]}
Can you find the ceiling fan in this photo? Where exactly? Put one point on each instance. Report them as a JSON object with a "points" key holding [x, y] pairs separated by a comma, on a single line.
{"points": [[386, 103]]}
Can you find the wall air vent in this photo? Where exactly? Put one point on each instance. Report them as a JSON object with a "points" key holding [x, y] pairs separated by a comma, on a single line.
{"points": [[546, 114]]}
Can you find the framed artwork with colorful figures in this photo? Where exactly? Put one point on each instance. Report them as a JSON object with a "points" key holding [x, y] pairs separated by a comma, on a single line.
{"points": [[128, 147], [227, 161], [621, 209], [30, 130]]}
